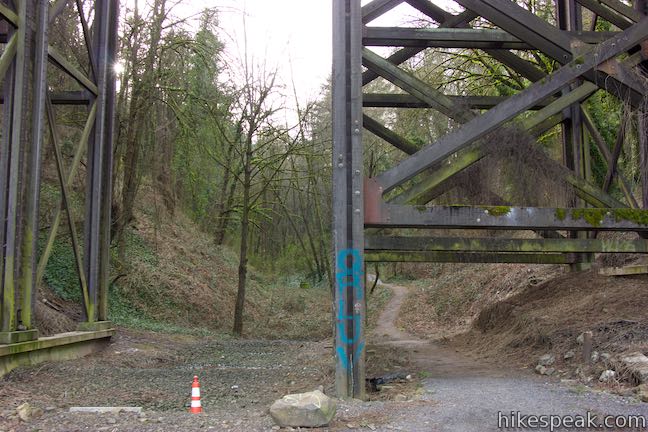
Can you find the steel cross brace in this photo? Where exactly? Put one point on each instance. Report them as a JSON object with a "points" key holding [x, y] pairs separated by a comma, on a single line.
{"points": [[479, 126], [555, 43]]}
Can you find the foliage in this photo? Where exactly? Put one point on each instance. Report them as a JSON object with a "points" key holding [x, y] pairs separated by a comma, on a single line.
{"points": [[61, 272]]}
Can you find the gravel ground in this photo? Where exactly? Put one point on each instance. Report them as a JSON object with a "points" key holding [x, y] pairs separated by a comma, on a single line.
{"points": [[241, 378]]}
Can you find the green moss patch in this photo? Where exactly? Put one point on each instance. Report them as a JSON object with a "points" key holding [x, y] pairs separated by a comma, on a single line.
{"points": [[497, 210]]}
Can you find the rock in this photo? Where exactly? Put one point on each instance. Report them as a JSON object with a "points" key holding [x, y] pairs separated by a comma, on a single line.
{"points": [[607, 376], [625, 392], [637, 364], [544, 370], [580, 339], [25, 412], [400, 398], [547, 360], [594, 357], [642, 393], [570, 355], [312, 409]]}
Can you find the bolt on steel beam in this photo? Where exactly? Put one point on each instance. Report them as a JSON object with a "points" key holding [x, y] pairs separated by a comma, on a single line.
{"points": [[348, 217]]}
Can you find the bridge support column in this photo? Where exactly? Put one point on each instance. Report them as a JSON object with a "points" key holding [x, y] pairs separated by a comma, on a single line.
{"points": [[27, 108], [348, 219]]}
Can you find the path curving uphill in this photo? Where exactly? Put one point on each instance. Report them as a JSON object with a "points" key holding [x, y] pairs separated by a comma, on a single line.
{"points": [[467, 395]]}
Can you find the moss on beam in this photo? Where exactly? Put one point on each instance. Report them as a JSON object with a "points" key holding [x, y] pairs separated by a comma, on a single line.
{"points": [[65, 346], [497, 210], [633, 215], [595, 216]]}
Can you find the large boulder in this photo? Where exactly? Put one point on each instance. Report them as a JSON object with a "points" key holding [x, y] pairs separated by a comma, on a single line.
{"points": [[312, 409], [637, 365]]}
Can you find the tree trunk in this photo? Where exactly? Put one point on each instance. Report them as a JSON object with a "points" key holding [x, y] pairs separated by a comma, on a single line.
{"points": [[245, 225]]}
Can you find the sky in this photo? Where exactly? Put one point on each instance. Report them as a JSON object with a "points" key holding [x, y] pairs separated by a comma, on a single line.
{"points": [[292, 35]]}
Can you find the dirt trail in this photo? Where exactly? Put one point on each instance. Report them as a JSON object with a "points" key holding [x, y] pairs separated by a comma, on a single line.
{"points": [[385, 328], [464, 394], [426, 355], [241, 378]]}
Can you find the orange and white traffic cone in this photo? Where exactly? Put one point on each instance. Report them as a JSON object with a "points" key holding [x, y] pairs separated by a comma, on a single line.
{"points": [[196, 408]]}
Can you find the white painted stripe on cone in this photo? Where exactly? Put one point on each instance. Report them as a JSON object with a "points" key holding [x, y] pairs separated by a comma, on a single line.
{"points": [[195, 404], [195, 392]]}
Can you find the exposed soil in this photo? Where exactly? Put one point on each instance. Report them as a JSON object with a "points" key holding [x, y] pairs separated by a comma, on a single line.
{"points": [[239, 380], [449, 390], [465, 393]]}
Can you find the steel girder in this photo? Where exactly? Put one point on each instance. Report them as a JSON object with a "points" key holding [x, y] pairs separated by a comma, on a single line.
{"points": [[589, 61], [28, 115]]}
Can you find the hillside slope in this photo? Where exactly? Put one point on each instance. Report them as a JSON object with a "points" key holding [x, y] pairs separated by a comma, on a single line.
{"points": [[516, 313], [176, 279]]}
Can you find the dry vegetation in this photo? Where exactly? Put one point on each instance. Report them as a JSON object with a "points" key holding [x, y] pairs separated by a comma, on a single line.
{"points": [[518, 312], [176, 279]]}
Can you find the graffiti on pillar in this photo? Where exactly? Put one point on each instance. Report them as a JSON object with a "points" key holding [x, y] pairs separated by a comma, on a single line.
{"points": [[349, 274]]}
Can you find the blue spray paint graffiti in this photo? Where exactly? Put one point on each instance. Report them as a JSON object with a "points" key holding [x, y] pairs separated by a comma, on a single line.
{"points": [[349, 274]]}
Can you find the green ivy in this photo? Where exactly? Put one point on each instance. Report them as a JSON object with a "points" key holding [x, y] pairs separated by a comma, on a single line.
{"points": [[61, 272]]}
